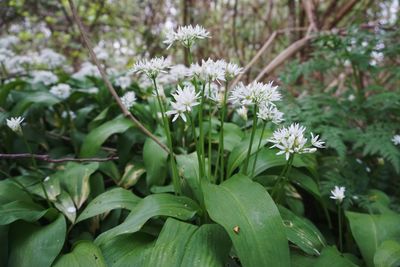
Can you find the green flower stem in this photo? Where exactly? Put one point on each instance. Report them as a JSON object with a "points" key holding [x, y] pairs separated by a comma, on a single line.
{"points": [[201, 130], [253, 131], [175, 175], [276, 190], [258, 148], [193, 127], [209, 135], [340, 228]]}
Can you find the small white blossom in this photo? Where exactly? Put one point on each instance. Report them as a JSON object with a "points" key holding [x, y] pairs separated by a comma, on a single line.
{"points": [[51, 58], [242, 112], [61, 90], [396, 140], [87, 70], [128, 100], [186, 35], [178, 72], [209, 70], [15, 124], [45, 77], [338, 193], [123, 81], [291, 140], [215, 93], [8, 40], [151, 67], [270, 113], [185, 99], [232, 70], [315, 142], [5, 54], [256, 93]]}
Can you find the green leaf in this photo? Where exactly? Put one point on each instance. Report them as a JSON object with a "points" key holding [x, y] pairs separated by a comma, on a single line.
{"points": [[232, 136], [330, 256], [65, 204], [387, 254], [251, 218], [131, 175], [370, 231], [116, 198], [20, 210], [75, 180], [189, 168], [302, 232], [182, 208], [10, 191], [239, 153], [183, 244], [96, 137], [37, 98], [127, 250], [84, 254], [155, 162], [34, 245]]}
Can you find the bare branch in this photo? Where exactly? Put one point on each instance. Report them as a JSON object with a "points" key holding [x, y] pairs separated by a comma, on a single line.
{"points": [[47, 158], [110, 88]]}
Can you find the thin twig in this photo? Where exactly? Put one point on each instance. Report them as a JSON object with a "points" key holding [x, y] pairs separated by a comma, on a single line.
{"points": [[47, 158], [110, 88]]}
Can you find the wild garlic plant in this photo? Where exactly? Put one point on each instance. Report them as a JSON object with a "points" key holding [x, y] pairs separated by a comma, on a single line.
{"points": [[202, 92]]}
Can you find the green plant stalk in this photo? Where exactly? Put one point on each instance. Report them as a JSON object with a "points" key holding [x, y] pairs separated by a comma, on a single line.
{"points": [[220, 157], [175, 176], [258, 148], [275, 190], [193, 127], [253, 131], [201, 130], [340, 228], [209, 135]]}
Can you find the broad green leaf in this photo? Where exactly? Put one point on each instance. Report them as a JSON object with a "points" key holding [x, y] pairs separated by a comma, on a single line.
{"points": [[239, 152], [251, 218], [330, 256], [370, 231], [232, 136], [10, 191], [96, 137], [189, 168], [155, 163], [116, 198], [302, 232], [127, 250], [131, 175], [4, 245], [183, 244], [182, 208], [37, 98], [84, 254], [75, 180], [20, 210], [65, 204], [306, 182], [387, 254], [34, 245]]}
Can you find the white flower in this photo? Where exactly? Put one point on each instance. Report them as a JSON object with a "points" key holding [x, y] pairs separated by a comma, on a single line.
{"points": [[242, 112], [315, 142], [8, 40], [151, 67], [45, 77], [87, 70], [92, 90], [232, 70], [5, 54], [291, 140], [209, 70], [271, 113], [185, 99], [123, 81], [338, 193], [351, 97], [15, 124], [128, 100], [186, 35], [178, 72], [51, 58], [396, 140], [61, 90], [255, 93], [101, 52]]}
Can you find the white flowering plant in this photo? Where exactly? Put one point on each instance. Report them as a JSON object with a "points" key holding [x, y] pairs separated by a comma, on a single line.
{"points": [[199, 169]]}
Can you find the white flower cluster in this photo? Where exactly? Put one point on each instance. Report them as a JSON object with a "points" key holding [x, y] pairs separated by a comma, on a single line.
{"points": [[151, 68], [186, 35], [210, 70], [185, 99], [291, 140], [270, 113], [61, 90], [15, 124], [256, 93], [43, 76], [338, 193], [396, 140], [123, 81], [128, 100], [50, 58], [87, 70], [5, 54], [8, 40]]}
